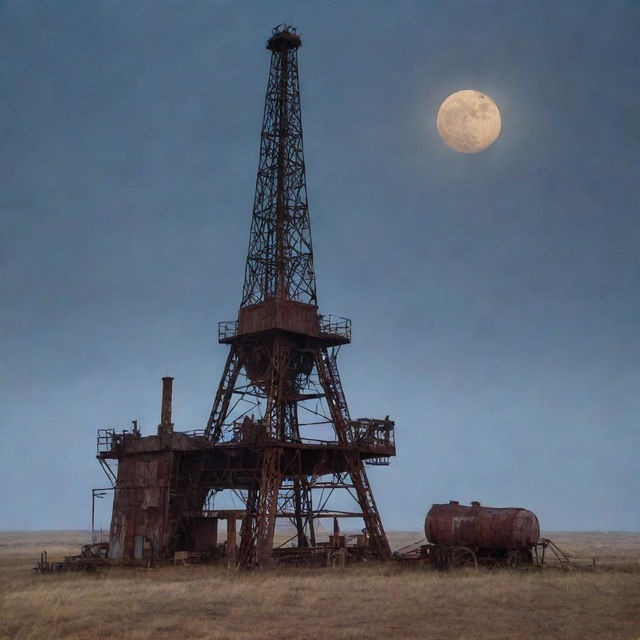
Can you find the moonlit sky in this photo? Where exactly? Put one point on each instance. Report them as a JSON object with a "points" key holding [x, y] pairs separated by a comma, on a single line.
{"points": [[494, 296]]}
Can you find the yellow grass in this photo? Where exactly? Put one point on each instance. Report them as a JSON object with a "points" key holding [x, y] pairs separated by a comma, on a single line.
{"points": [[356, 603]]}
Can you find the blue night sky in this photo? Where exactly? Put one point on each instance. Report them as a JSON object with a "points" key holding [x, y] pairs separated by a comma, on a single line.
{"points": [[494, 296]]}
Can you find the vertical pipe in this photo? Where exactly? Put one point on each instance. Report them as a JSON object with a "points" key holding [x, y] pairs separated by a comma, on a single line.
{"points": [[297, 500], [214, 533], [231, 542], [335, 538], [165, 425]]}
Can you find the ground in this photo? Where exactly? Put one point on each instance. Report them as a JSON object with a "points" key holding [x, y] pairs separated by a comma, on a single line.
{"points": [[362, 602]]}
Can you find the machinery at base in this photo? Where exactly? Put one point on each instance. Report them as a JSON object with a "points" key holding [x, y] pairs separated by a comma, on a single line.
{"points": [[91, 557], [457, 536]]}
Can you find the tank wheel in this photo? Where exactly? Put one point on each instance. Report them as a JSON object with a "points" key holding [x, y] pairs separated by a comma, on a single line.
{"points": [[517, 559], [464, 557], [439, 556]]}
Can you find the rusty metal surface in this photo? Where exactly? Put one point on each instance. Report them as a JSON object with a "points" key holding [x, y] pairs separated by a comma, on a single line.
{"points": [[280, 434], [288, 315], [166, 425], [282, 351], [483, 527], [141, 505]]}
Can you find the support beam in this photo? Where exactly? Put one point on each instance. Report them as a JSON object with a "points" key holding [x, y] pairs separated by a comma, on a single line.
{"points": [[231, 542]]}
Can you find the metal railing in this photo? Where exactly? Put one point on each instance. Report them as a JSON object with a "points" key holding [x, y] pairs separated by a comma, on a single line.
{"points": [[380, 461], [227, 329], [330, 325], [335, 326], [194, 433], [370, 433], [374, 433], [109, 439], [106, 440]]}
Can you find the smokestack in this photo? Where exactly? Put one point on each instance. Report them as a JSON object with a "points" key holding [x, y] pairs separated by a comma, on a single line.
{"points": [[166, 426]]}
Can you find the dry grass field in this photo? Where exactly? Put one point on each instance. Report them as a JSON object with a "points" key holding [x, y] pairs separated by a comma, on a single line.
{"points": [[358, 603]]}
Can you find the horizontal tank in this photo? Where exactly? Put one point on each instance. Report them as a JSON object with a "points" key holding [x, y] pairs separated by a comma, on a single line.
{"points": [[485, 527]]}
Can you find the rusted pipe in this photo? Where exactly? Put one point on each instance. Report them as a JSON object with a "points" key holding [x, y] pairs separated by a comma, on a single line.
{"points": [[165, 416]]}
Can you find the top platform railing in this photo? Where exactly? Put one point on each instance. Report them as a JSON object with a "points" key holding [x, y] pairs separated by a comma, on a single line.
{"points": [[105, 440], [371, 434], [110, 439], [330, 326]]}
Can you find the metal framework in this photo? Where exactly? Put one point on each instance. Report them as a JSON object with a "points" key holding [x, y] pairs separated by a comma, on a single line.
{"points": [[280, 437], [280, 257], [282, 359]]}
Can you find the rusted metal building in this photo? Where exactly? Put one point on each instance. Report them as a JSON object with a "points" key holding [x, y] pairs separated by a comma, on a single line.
{"points": [[280, 435], [150, 482]]}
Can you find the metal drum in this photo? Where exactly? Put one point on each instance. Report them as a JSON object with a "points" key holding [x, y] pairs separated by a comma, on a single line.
{"points": [[483, 527]]}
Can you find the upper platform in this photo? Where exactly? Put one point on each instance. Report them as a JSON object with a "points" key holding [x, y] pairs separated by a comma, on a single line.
{"points": [[286, 315], [284, 38]]}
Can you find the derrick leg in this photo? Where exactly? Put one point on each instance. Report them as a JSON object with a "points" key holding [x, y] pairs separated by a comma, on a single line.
{"points": [[330, 381], [220, 408], [258, 525], [377, 536], [303, 513]]}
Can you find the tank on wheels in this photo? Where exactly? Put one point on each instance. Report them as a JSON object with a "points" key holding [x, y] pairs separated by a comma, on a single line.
{"points": [[467, 536]]}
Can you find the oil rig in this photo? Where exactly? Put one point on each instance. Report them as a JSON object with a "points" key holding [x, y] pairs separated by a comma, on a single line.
{"points": [[280, 437]]}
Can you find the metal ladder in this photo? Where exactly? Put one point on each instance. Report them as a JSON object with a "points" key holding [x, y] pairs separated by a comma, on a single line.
{"points": [[563, 559]]}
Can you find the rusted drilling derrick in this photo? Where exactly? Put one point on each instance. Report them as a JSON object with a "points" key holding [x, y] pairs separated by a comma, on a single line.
{"points": [[280, 435]]}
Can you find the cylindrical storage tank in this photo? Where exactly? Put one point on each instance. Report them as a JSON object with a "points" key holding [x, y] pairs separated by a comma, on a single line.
{"points": [[485, 527]]}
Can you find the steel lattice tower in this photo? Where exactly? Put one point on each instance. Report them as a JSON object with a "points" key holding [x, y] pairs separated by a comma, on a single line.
{"points": [[282, 358], [280, 257], [280, 437]]}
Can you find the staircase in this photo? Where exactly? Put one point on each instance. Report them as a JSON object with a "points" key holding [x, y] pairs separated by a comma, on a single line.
{"points": [[561, 557]]}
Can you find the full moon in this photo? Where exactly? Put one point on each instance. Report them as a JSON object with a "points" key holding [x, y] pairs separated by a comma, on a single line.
{"points": [[468, 121]]}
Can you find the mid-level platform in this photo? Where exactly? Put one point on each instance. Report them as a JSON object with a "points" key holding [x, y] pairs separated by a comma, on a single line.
{"points": [[233, 462]]}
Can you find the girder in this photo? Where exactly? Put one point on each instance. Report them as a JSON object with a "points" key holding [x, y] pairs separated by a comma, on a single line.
{"points": [[282, 357]]}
